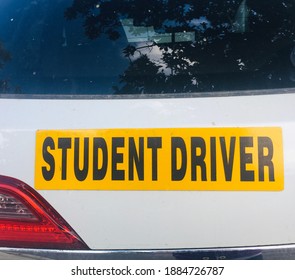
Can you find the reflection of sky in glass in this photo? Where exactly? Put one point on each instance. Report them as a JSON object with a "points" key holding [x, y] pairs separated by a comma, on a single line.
{"points": [[53, 55], [201, 24], [50, 54]]}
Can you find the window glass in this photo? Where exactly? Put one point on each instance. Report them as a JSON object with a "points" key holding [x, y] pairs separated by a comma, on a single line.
{"points": [[145, 46]]}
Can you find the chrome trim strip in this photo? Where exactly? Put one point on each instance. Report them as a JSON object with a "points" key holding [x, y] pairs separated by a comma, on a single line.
{"points": [[273, 252], [148, 96]]}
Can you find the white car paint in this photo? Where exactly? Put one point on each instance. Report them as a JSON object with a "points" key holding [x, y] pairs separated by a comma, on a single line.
{"points": [[158, 219]]}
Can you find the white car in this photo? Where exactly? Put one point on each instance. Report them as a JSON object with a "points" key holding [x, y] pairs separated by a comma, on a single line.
{"points": [[147, 129]]}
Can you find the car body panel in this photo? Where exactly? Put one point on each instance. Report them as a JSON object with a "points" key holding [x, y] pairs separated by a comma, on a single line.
{"points": [[158, 219]]}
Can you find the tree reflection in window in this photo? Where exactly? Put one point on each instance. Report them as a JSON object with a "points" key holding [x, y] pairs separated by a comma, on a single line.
{"points": [[195, 45], [4, 57]]}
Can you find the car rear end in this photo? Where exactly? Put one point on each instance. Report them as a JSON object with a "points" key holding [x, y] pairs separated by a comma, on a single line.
{"points": [[155, 130]]}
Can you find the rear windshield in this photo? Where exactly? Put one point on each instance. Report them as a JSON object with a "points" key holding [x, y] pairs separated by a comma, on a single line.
{"points": [[77, 47]]}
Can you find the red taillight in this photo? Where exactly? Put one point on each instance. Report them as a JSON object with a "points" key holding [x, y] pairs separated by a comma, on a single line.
{"points": [[27, 220]]}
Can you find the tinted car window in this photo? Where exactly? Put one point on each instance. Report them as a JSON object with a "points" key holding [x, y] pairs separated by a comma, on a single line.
{"points": [[145, 46]]}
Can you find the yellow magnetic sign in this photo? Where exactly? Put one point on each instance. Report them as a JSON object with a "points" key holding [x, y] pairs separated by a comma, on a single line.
{"points": [[182, 159]]}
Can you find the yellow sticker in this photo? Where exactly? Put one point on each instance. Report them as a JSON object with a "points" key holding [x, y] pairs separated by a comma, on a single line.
{"points": [[182, 159]]}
